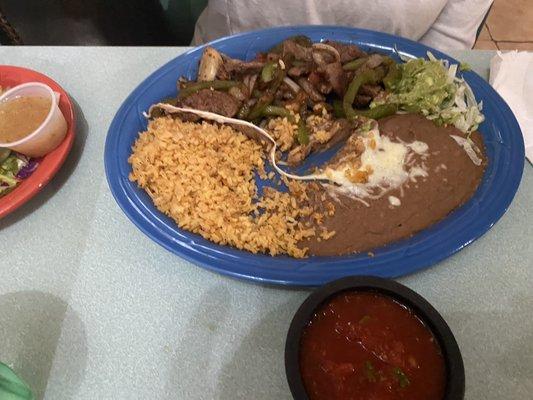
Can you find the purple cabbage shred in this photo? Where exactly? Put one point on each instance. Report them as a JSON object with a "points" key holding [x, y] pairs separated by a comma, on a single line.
{"points": [[28, 169]]}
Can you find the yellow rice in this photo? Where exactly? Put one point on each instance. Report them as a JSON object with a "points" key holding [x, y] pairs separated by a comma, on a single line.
{"points": [[202, 176]]}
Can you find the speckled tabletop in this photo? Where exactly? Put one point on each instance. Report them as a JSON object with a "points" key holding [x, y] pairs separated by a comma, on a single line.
{"points": [[90, 308]]}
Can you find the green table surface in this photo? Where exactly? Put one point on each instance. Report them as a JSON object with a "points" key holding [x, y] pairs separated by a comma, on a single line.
{"points": [[91, 308]]}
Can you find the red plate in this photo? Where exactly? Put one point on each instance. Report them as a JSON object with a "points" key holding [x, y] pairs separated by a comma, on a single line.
{"points": [[12, 76]]}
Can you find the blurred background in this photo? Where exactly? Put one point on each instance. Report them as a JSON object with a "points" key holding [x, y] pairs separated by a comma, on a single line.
{"points": [[509, 23], [99, 22]]}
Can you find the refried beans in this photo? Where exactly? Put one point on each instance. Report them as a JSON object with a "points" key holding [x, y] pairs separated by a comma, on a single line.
{"points": [[452, 178]]}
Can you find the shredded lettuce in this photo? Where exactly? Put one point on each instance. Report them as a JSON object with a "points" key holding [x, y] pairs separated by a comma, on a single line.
{"points": [[465, 67], [432, 88], [10, 165]]}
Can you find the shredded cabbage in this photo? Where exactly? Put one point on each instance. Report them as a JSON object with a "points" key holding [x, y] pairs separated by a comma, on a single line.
{"points": [[10, 165], [432, 88]]}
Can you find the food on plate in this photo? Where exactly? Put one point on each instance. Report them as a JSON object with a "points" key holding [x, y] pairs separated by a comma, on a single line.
{"points": [[366, 345], [404, 137]]}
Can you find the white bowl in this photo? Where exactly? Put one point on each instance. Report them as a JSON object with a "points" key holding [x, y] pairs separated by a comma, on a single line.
{"points": [[50, 133]]}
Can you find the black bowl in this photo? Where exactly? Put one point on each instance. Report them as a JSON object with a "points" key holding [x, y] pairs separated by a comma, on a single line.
{"points": [[455, 373]]}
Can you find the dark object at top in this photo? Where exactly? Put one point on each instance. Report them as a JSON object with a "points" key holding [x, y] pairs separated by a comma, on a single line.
{"points": [[101, 22], [8, 34]]}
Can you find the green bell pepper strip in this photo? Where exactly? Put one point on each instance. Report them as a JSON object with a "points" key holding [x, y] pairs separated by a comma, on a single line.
{"points": [[259, 107], [394, 74], [267, 97], [377, 112], [269, 71], [276, 111], [354, 64], [243, 112], [368, 76], [338, 111], [302, 135], [196, 87]]}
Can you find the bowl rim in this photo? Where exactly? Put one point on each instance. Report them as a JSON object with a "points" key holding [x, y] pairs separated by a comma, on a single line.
{"points": [[455, 374]]}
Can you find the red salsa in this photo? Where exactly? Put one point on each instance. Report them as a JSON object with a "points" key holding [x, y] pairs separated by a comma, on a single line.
{"points": [[364, 345]]}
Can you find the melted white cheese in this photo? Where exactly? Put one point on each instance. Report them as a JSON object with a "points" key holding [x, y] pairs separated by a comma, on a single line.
{"points": [[346, 186], [387, 162], [394, 201], [418, 147], [416, 172]]}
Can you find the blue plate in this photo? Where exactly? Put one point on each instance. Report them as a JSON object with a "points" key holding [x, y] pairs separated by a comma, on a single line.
{"points": [[501, 133]]}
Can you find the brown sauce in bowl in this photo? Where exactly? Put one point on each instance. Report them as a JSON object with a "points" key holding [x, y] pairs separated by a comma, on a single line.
{"points": [[21, 116]]}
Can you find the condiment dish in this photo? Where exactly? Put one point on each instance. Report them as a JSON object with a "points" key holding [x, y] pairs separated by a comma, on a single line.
{"points": [[455, 376]]}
